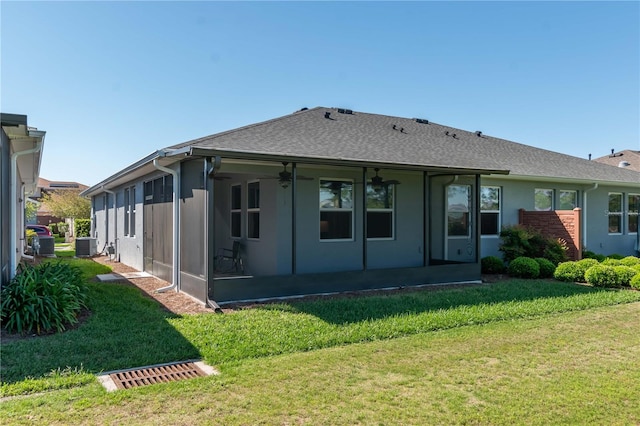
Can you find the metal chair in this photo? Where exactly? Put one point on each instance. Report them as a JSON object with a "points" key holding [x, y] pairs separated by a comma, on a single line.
{"points": [[231, 256]]}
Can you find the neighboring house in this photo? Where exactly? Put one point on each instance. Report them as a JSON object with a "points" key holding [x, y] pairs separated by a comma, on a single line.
{"points": [[20, 157], [43, 215], [625, 159], [329, 200]]}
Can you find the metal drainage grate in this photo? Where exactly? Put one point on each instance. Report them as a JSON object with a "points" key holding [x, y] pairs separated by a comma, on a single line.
{"points": [[156, 374]]}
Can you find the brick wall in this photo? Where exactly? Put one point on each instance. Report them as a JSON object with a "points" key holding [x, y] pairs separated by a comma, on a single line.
{"points": [[563, 224]]}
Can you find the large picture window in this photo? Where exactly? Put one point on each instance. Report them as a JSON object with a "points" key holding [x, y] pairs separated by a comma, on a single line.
{"points": [[380, 207], [236, 211], [615, 213], [568, 200], [490, 210], [458, 210], [336, 209], [253, 210], [543, 199], [633, 206]]}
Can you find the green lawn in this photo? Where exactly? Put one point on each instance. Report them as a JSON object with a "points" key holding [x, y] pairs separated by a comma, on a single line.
{"points": [[534, 352]]}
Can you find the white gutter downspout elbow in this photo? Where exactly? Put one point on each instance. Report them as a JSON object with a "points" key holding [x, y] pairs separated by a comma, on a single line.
{"points": [[176, 226], [115, 221], [584, 214], [13, 220]]}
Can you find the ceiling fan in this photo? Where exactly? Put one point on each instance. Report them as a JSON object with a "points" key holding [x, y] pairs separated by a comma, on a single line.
{"points": [[378, 183], [285, 177]]}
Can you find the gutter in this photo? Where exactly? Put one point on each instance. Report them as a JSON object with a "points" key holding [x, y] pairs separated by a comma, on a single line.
{"points": [[13, 220], [584, 214], [176, 223]]}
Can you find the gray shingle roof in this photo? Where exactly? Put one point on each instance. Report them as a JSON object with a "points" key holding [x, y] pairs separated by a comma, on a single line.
{"points": [[363, 137], [628, 156]]}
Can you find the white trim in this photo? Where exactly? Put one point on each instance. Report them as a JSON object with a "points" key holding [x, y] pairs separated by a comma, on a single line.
{"points": [[252, 210], [232, 211]]}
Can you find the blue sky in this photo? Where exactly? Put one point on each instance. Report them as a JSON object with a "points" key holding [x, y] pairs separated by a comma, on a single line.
{"points": [[111, 82]]}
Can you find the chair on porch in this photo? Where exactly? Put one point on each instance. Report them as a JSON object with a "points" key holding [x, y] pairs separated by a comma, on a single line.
{"points": [[229, 260]]}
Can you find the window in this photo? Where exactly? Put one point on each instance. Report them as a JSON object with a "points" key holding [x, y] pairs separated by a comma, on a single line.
{"points": [[543, 200], [130, 211], [253, 210], [490, 210], [236, 211], [633, 206], [336, 209], [458, 214], [380, 208], [568, 200], [615, 213]]}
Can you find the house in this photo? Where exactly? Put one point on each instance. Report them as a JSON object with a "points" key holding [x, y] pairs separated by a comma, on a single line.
{"points": [[328, 200], [45, 186], [20, 158], [626, 159]]}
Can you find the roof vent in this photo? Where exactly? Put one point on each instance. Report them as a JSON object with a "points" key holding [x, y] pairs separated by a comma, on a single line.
{"points": [[454, 136], [327, 114], [344, 111], [624, 164], [478, 133], [394, 127], [401, 129], [304, 109], [446, 132], [422, 121]]}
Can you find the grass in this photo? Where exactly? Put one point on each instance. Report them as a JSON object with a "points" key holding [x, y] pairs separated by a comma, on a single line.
{"points": [[463, 353]]}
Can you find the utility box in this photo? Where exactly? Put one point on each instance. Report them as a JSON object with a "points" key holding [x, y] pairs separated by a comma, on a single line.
{"points": [[47, 246], [86, 247]]}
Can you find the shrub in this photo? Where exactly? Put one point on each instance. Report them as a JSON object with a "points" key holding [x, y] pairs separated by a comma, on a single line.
{"points": [[609, 261], [520, 241], [492, 265], [547, 268], [591, 255], [630, 261], [635, 282], [573, 271], [625, 273], [602, 276], [82, 228], [42, 298], [524, 267], [616, 256]]}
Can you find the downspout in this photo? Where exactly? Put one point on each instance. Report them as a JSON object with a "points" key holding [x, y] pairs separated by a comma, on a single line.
{"points": [[13, 220], [115, 221], [584, 214], [176, 223], [22, 224]]}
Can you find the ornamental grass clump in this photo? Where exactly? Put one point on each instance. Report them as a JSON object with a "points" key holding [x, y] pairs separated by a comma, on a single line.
{"points": [[43, 298], [524, 267]]}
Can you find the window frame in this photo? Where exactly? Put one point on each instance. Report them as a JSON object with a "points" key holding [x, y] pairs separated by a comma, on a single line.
{"points": [[631, 213], [389, 210], [619, 213], [498, 211], [551, 198], [566, 191], [130, 211], [349, 210], [235, 210], [469, 208], [252, 211]]}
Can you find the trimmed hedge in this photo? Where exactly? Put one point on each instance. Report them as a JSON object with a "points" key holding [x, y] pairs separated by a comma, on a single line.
{"points": [[547, 268], [492, 265], [82, 228], [574, 271], [602, 276], [524, 267], [635, 282]]}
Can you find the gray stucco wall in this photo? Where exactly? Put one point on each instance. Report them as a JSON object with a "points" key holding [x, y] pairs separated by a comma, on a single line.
{"points": [[517, 194]]}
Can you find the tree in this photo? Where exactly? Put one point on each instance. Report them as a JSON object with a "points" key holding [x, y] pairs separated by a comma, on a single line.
{"points": [[30, 210], [67, 203]]}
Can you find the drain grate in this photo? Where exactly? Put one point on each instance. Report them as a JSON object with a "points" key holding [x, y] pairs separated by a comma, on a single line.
{"points": [[156, 374]]}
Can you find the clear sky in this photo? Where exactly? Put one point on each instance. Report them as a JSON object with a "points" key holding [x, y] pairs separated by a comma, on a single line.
{"points": [[111, 82]]}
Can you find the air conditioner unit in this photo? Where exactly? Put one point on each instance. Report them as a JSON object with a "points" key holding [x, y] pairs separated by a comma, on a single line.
{"points": [[47, 246], [86, 246]]}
